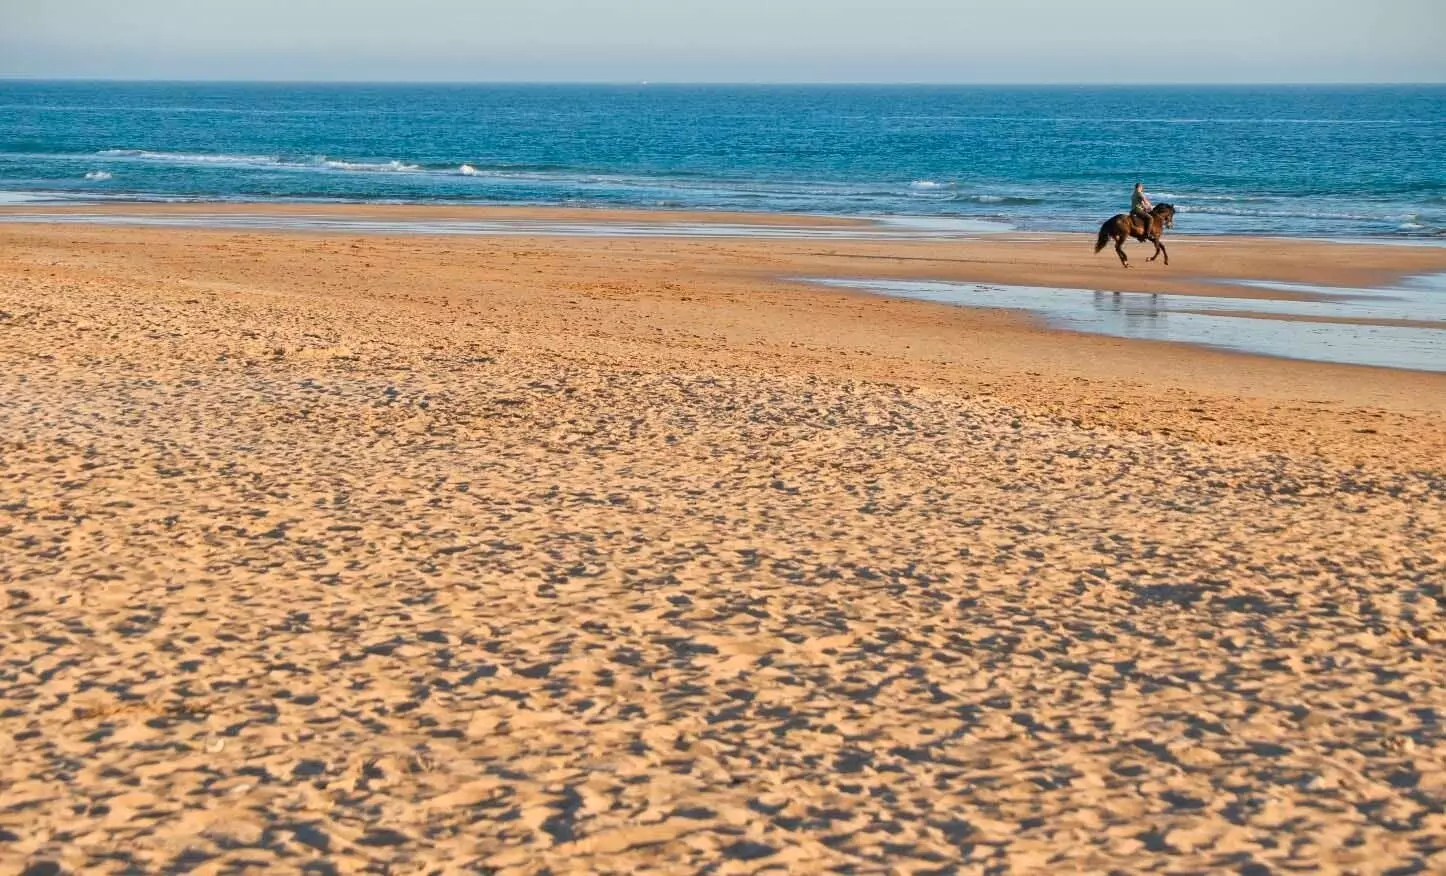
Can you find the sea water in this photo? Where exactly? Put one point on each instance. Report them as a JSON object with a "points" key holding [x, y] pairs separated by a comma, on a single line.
{"points": [[1297, 161], [1399, 326]]}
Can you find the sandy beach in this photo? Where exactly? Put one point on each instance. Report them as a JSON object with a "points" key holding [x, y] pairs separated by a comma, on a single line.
{"points": [[412, 554]]}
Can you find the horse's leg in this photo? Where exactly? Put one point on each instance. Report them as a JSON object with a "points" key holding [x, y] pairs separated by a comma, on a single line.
{"points": [[1163, 251], [1158, 248], [1119, 248]]}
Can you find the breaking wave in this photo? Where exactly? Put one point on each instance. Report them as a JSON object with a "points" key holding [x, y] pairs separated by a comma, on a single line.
{"points": [[262, 161], [189, 157], [372, 167]]}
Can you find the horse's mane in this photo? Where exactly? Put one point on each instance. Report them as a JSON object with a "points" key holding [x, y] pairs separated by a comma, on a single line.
{"points": [[1163, 206]]}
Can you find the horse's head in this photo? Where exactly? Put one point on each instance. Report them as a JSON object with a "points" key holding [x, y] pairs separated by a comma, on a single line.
{"points": [[1166, 212]]}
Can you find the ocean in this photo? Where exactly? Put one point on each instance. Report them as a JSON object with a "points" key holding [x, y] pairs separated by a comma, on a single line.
{"points": [[1297, 161]]}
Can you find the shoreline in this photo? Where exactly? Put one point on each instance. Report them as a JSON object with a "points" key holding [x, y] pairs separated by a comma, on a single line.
{"points": [[444, 211], [602, 216]]}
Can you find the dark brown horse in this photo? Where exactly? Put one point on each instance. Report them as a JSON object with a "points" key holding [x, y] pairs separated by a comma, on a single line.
{"points": [[1123, 225]]}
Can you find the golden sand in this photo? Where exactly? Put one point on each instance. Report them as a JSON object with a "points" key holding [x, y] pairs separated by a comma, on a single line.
{"points": [[508, 555]]}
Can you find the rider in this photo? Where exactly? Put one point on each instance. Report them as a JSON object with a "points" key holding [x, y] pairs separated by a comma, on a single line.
{"points": [[1140, 204]]}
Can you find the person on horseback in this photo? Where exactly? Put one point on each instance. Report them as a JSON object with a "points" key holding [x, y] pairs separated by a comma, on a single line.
{"points": [[1145, 221], [1140, 205]]}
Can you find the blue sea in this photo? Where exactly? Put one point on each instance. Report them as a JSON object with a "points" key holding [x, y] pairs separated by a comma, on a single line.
{"points": [[1306, 161]]}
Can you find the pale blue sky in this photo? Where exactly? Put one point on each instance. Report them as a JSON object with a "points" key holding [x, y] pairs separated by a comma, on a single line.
{"points": [[728, 41]]}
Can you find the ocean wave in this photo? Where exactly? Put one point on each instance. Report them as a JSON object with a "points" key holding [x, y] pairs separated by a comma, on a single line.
{"points": [[1005, 200], [370, 167], [189, 157], [1046, 204], [1169, 120], [548, 174], [1281, 213], [696, 185], [329, 163], [320, 162], [529, 167], [1195, 197]]}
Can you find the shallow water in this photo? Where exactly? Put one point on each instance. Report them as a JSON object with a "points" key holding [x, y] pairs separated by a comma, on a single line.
{"points": [[884, 228], [1270, 327]]}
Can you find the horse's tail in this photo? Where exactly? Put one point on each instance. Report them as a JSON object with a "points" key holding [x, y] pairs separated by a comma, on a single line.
{"points": [[1104, 237]]}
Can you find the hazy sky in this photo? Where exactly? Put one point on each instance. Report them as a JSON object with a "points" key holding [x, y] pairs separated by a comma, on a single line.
{"points": [[729, 40]]}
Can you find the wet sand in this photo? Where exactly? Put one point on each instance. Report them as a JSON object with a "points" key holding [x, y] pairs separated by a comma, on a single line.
{"points": [[405, 554]]}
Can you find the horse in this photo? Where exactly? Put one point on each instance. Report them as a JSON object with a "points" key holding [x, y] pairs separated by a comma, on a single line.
{"points": [[1123, 225]]}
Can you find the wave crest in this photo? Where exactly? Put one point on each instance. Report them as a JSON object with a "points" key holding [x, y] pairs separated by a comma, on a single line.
{"points": [[189, 157], [371, 167], [223, 159]]}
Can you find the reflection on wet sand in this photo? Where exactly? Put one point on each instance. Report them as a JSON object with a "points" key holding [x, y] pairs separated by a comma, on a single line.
{"points": [[1267, 326]]}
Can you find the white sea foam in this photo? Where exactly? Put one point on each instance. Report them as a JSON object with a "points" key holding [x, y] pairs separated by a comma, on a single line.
{"points": [[467, 170], [1197, 198], [1280, 214], [927, 185], [320, 161], [189, 157], [371, 167], [98, 175]]}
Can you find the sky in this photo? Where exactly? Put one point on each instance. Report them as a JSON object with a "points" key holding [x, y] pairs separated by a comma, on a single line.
{"points": [[938, 41]]}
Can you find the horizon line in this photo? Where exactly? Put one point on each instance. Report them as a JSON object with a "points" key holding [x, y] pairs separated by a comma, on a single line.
{"points": [[743, 84]]}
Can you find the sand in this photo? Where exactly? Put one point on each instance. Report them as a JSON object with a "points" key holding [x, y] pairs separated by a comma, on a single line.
{"points": [[333, 553]]}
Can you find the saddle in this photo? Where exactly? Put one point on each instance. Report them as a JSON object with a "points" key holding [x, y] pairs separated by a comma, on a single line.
{"points": [[1141, 224]]}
